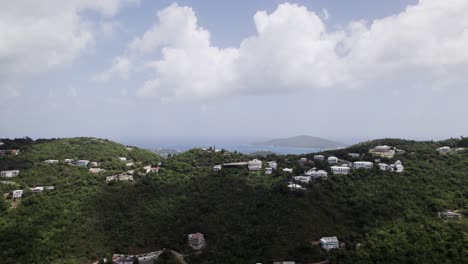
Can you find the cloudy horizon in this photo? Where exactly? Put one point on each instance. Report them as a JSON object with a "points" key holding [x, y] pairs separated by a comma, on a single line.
{"points": [[130, 69]]}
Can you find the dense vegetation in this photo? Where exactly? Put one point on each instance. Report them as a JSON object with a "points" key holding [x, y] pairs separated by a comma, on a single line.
{"points": [[247, 217]]}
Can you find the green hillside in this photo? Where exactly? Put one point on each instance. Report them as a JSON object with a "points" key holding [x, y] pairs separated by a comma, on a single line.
{"points": [[246, 217]]}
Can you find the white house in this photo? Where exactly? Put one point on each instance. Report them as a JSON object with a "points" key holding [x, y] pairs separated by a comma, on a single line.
{"points": [[363, 165], [384, 166], [319, 157], [37, 189], [353, 155], [268, 171], [289, 170], [121, 177], [398, 166], [319, 174], [340, 170], [51, 161], [329, 243], [17, 194], [129, 164], [272, 164], [255, 165], [443, 150], [1, 143], [303, 179], [83, 163], [302, 160], [93, 164], [196, 241], [383, 148], [68, 161], [217, 168], [294, 186], [122, 159], [95, 170], [332, 160], [9, 173]]}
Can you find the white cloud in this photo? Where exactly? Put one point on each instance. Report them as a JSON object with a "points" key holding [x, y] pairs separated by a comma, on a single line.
{"points": [[326, 15], [292, 49], [121, 66], [38, 35]]}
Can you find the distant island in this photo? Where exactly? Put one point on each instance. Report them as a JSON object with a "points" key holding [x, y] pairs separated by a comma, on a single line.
{"points": [[303, 141]]}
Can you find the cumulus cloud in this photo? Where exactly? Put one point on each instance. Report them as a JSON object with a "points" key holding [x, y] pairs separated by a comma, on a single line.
{"points": [[293, 49], [38, 35]]}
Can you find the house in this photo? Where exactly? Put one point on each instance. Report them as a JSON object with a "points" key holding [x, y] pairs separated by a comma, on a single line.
{"points": [[363, 165], [268, 171], [354, 155], [51, 161], [93, 164], [343, 170], [95, 170], [329, 243], [14, 151], [37, 189], [302, 160], [384, 166], [272, 164], [319, 174], [82, 163], [293, 186], [443, 150], [398, 166], [1, 143], [50, 188], [217, 168], [289, 170], [9, 173], [196, 241], [383, 151], [255, 165], [122, 159], [319, 157], [17, 194], [129, 164], [303, 179], [332, 160], [68, 161], [450, 215], [149, 169], [120, 177]]}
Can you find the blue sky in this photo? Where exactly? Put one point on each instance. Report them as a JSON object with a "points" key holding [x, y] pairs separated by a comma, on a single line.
{"points": [[156, 69]]}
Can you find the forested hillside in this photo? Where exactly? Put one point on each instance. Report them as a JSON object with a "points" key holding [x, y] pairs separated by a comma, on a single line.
{"points": [[246, 217]]}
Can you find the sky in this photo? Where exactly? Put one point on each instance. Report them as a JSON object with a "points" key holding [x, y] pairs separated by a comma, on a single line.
{"points": [[141, 69]]}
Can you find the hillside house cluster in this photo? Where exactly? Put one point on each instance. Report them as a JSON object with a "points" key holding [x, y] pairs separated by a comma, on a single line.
{"points": [[196, 241], [9, 173]]}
